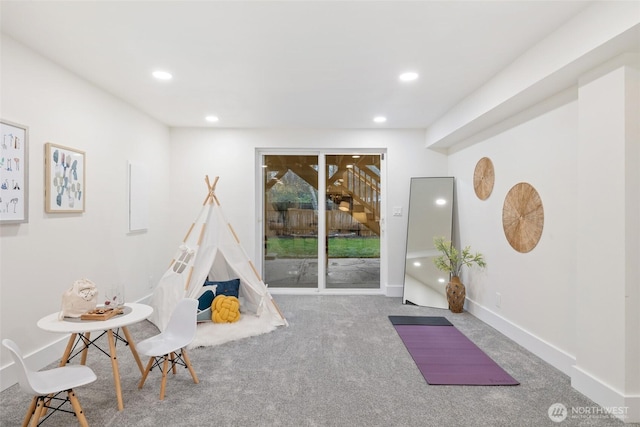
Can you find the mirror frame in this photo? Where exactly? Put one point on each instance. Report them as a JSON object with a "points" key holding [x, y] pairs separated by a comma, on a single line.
{"points": [[424, 284]]}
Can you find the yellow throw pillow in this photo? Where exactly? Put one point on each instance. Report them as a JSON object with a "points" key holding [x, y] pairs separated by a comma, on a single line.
{"points": [[225, 309]]}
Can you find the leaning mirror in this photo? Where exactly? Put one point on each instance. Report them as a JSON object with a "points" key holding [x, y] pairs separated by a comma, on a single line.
{"points": [[430, 215]]}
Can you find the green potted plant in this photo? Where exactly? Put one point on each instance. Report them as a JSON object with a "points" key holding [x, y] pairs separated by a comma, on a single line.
{"points": [[452, 260]]}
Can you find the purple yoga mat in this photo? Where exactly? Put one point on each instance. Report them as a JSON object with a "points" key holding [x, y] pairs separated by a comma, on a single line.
{"points": [[446, 357]]}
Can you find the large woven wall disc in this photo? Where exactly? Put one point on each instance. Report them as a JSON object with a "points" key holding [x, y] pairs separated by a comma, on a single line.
{"points": [[523, 217], [483, 178]]}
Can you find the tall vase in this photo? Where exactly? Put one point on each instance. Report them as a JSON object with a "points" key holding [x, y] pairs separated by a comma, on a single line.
{"points": [[455, 295]]}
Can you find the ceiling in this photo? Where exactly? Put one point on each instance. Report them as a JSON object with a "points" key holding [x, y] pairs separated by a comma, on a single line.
{"points": [[286, 64]]}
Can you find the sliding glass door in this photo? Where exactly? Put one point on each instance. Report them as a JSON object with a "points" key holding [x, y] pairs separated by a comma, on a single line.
{"points": [[322, 242]]}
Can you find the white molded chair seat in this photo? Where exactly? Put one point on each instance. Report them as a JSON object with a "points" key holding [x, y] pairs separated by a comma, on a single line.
{"points": [[45, 386], [170, 345]]}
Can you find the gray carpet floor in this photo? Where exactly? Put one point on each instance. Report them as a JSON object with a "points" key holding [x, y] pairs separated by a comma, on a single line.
{"points": [[340, 362]]}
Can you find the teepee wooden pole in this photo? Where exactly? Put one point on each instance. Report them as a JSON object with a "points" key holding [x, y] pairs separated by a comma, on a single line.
{"points": [[209, 190], [278, 309], [188, 233], [211, 194], [235, 236], [188, 281], [183, 241], [204, 227], [213, 191], [255, 270]]}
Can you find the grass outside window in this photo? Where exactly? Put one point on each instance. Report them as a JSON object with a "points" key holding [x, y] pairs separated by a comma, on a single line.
{"points": [[339, 247]]}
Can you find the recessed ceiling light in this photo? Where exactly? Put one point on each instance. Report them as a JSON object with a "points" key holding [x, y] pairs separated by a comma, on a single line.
{"points": [[441, 202], [212, 119], [380, 119], [162, 75], [408, 77]]}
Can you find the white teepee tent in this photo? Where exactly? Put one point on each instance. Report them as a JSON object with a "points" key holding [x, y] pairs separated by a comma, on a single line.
{"points": [[211, 250]]}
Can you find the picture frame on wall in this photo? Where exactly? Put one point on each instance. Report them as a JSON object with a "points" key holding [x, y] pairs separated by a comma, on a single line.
{"points": [[14, 173], [65, 190]]}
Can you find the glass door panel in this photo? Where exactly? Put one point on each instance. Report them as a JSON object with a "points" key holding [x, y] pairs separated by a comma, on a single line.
{"points": [[353, 221], [291, 221]]}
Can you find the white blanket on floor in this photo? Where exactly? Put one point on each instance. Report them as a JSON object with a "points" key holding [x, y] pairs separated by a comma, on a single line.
{"points": [[210, 334]]}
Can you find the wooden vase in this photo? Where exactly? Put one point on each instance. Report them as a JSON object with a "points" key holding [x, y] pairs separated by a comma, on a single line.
{"points": [[456, 293]]}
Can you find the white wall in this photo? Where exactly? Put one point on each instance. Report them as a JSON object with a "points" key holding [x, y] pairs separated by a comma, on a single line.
{"points": [[607, 250], [540, 152], [42, 258], [231, 154], [573, 300], [563, 117]]}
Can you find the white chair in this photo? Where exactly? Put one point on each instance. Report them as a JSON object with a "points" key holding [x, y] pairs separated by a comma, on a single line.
{"points": [[45, 386], [169, 345]]}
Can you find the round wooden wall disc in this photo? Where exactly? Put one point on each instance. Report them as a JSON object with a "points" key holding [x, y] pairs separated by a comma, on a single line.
{"points": [[483, 178], [523, 217]]}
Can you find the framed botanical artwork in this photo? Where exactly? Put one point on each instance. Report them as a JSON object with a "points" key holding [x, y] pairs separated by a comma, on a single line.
{"points": [[64, 179], [14, 173]]}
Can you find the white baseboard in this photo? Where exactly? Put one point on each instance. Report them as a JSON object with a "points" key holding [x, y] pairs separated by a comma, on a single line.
{"points": [[547, 352], [394, 290], [626, 407]]}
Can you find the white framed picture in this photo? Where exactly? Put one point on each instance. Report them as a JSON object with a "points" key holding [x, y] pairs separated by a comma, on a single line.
{"points": [[64, 179], [14, 173]]}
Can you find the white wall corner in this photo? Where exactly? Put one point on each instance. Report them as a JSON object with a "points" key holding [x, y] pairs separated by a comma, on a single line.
{"points": [[544, 350], [625, 408]]}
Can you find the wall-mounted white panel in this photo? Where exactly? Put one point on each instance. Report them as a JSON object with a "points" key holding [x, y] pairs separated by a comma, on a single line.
{"points": [[138, 197]]}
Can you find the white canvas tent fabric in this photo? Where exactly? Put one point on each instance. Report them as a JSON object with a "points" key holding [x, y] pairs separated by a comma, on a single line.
{"points": [[212, 250]]}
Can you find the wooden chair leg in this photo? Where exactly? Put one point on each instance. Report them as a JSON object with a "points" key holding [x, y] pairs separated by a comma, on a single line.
{"points": [[77, 408], [146, 372], [38, 413], [187, 362], [173, 365], [30, 411], [165, 369]]}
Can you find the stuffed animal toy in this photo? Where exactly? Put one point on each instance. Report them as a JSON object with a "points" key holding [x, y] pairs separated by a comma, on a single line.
{"points": [[225, 309]]}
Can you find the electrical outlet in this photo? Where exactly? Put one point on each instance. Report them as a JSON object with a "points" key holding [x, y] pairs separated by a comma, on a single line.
{"points": [[397, 211], [498, 299]]}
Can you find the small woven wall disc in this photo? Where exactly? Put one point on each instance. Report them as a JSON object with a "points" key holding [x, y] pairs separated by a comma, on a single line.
{"points": [[483, 178], [523, 217]]}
